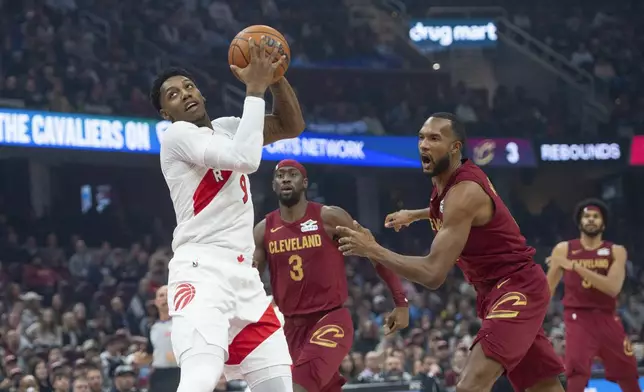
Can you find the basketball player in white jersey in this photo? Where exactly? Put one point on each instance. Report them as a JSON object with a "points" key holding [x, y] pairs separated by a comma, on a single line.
{"points": [[222, 319]]}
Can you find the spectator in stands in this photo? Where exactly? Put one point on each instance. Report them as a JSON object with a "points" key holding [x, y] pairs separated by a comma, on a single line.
{"points": [[125, 379], [80, 385], [80, 261], [95, 379], [45, 332], [393, 370], [61, 382], [372, 368], [348, 368]]}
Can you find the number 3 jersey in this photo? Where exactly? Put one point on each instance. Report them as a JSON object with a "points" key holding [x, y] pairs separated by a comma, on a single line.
{"points": [[307, 270], [213, 207], [578, 292]]}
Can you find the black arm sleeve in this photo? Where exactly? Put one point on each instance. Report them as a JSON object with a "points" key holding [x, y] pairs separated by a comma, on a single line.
{"points": [[149, 348]]}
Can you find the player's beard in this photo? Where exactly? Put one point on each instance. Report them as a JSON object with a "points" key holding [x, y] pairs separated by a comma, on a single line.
{"points": [[592, 233], [290, 200], [440, 166]]}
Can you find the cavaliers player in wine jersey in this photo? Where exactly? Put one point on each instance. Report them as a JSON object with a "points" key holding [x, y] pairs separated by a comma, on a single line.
{"points": [[593, 272], [475, 230], [307, 274]]}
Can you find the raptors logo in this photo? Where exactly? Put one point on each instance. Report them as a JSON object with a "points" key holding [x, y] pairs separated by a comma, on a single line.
{"points": [[183, 295]]}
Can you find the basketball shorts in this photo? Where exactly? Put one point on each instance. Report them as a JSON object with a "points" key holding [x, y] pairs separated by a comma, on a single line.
{"points": [[591, 334], [511, 334], [318, 344], [218, 294]]}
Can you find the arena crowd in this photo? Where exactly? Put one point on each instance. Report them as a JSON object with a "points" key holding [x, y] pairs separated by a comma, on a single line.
{"points": [[76, 307]]}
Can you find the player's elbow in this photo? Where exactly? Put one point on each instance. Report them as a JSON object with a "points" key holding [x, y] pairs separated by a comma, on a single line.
{"points": [[614, 291], [249, 167], [248, 161], [432, 282], [299, 127]]}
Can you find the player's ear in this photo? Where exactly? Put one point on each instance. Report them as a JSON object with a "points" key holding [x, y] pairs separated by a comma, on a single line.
{"points": [[456, 147], [165, 115], [305, 183]]}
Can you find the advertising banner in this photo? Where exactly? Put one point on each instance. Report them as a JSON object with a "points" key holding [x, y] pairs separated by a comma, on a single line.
{"points": [[438, 34], [141, 136]]}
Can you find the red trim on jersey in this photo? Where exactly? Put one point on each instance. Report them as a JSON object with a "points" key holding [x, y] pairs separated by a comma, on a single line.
{"points": [[252, 336], [208, 188]]}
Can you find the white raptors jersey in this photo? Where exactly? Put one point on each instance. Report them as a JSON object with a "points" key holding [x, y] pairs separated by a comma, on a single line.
{"points": [[213, 206]]}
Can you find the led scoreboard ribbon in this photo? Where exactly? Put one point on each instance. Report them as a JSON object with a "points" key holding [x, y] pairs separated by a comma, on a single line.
{"points": [[501, 152], [38, 129]]}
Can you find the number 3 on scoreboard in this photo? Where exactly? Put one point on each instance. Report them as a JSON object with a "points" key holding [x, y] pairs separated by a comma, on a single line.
{"points": [[297, 273]]}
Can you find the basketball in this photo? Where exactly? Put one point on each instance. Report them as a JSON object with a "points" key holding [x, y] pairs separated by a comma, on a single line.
{"points": [[238, 52]]}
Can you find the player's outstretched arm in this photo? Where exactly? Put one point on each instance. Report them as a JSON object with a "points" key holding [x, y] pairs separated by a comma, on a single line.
{"points": [[462, 204], [335, 216], [259, 257], [555, 272], [286, 120], [403, 218], [611, 283]]}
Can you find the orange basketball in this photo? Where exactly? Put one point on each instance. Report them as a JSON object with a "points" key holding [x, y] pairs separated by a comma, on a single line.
{"points": [[238, 52]]}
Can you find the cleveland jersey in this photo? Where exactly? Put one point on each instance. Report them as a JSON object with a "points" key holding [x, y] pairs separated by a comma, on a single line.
{"points": [[306, 268], [578, 292], [493, 251], [212, 206]]}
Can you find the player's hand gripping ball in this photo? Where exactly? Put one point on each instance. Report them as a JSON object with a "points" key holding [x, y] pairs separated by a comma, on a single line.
{"points": [[239, 52]]}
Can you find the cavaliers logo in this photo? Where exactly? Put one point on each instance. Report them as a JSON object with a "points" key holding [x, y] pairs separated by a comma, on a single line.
{"points": [[324, 336], [183, 295], [506, 306], [628, 347], [484, 152]]}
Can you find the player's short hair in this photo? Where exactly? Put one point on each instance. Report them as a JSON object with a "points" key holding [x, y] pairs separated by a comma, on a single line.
{"points": [[155, 90], [579, 210], [457, 126]]}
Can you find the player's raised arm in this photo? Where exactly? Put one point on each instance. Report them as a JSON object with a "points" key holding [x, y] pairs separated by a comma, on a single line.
{"points": [[462, 204], [185, 141], [259, 257], [555, 272], [200, 146], [286, 120], [403, 218]]}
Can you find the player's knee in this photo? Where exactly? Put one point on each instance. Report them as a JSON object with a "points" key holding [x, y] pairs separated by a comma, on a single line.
{"points": [[576, 382], [310, 377], [273, 378], [298, 388], [475, 382], [200, 373], [548, 385], [629, 384]]}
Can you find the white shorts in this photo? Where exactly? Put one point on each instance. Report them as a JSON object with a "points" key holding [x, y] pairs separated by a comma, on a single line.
{"points": [[223, 299]]}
